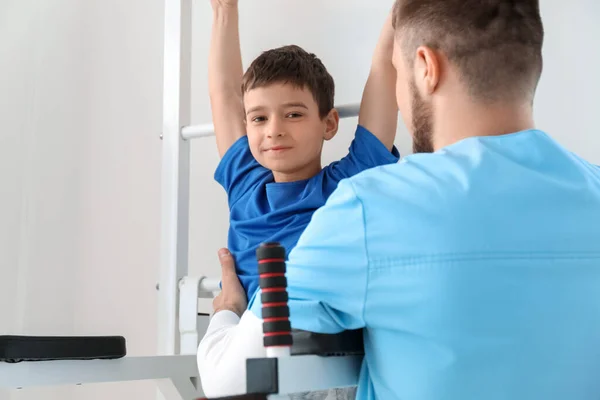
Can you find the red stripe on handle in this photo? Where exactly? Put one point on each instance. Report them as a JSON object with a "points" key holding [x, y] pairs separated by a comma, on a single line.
{"points": [[275, 319], [269, 260], [273, 289], [272, 274], [282, 304], [277, 334]]}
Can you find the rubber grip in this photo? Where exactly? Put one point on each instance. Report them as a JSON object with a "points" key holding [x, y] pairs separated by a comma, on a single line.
{"points": [[272, 282], [271, 267], [277, 326], [271, 250], [274, 297], [277, 329], [276, 312]]}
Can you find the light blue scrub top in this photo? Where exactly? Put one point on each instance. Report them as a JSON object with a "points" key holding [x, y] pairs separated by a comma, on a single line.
{"points": [[475, 272]]}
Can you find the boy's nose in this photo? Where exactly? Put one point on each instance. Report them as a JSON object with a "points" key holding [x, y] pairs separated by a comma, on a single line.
{"points": [[275, 129]]}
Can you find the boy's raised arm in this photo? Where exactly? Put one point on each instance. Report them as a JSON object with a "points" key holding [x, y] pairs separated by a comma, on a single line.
{"points": [[225, 74], [378, 108]]}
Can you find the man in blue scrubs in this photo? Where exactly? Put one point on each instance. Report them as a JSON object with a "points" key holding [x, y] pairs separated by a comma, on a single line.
{"points": [[474, 264]]}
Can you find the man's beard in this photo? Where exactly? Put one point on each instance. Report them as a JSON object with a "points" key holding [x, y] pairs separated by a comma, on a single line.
{"points": [[422, 123]]}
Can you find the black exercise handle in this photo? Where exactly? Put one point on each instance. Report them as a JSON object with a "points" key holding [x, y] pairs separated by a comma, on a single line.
{"points": [[271, 250], [273, 283]]}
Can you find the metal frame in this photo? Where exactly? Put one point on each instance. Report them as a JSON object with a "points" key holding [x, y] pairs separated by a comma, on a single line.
{"points": [[281, 375], [175, 170], [176, 376]]}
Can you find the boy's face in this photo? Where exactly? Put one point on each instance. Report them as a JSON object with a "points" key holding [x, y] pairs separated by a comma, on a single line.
{"points": [[285, 130]]}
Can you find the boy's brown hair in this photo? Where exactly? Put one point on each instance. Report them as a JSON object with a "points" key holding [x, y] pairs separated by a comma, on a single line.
{"points": [[293, 65], [495, 44]]}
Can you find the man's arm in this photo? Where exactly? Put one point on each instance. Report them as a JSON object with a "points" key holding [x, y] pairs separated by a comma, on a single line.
{"points": [[229, 339], [222, 354], [378, 108], [225, 74]]}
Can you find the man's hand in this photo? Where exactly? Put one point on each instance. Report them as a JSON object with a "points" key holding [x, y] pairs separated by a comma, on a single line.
{"points": [[232, 296]]}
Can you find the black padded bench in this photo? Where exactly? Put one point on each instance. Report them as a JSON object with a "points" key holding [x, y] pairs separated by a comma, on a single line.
{"points": [[14, 349]]}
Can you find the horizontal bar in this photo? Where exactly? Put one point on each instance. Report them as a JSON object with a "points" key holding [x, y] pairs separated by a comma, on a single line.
{"points": [[208, 285], [206, 130], [313, 373], [73, 372]]}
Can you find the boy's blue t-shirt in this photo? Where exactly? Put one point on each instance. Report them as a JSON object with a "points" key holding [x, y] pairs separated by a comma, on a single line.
{"points": [[262, 210]]}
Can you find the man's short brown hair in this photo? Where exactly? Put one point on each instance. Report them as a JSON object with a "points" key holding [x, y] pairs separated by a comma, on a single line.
{"points": [[495, 44], [293, 65]]}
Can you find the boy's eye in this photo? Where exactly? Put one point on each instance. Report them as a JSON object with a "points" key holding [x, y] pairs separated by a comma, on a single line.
{"points": [[294, 115], [258, 119]]}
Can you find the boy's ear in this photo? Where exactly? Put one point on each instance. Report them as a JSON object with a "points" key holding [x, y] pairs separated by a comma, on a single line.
{"points": [[332, 121]]}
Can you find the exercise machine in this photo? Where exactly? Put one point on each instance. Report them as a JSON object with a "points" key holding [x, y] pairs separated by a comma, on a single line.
{"points": [[52, 361], [323, 361], [297, 361]]}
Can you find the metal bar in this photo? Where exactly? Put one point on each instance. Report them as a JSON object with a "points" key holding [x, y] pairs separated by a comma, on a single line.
{"points": [[199, 131], [192, 325], [175, 170], [188, 314], [296, 374], [317, 373], [75, 372], [208, 285]]}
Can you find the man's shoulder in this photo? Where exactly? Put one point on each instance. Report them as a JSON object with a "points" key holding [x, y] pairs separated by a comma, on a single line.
{"points": [[419, 192], [413, 207], [413, 173]]}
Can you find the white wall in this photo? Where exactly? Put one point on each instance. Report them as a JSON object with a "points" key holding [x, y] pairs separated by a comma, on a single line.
{"points": [[80, 111], [41, 114], [567, 103], [80, 115]]}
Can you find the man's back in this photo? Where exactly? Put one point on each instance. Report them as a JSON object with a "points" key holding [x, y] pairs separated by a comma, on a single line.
{"points": [[474, 272], [494, 291]]}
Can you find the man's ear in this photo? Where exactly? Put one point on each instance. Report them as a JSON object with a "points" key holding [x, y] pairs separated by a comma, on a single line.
{"points": [[332, 122], [427, 70]]}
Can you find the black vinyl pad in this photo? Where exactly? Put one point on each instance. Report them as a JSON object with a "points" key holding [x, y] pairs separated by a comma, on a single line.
{"points": [[262, 373], [46, 348], [345, 343]]}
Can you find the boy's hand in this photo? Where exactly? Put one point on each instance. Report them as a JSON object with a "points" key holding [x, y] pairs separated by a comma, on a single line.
{"points": [[223, 3], [232, 296]]}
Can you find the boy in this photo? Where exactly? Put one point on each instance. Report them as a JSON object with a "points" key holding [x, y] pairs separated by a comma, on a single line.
{"points": [[270, 125]]}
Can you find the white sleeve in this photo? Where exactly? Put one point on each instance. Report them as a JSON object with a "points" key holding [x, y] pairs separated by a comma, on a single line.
{"points": [[223, 351]]}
